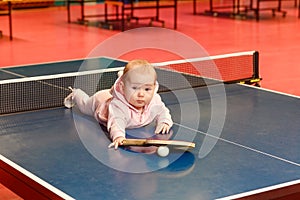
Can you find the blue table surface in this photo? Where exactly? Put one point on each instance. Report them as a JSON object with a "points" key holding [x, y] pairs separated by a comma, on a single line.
{"points": [[42, 69], [258, 147]]}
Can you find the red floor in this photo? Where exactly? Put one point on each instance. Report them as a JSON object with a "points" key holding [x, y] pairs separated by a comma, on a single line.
{"points": [[43, 35]]}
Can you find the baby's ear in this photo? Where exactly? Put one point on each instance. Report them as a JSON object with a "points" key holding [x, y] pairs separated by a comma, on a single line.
{"points": [[120, 73]]}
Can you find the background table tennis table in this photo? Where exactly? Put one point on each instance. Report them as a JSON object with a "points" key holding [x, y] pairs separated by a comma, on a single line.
{"points": [[6, 9], [123, 12], [240, 9], [43, 157]]}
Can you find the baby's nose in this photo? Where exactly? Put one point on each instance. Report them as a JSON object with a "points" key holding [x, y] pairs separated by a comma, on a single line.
{"points": [[141, 92]]}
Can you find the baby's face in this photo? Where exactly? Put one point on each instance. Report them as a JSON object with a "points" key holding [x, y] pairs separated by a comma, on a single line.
{"points": [[139, 89]]}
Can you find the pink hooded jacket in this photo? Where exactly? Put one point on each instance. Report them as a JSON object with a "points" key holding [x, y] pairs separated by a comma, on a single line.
{"points": [[111, 108]]}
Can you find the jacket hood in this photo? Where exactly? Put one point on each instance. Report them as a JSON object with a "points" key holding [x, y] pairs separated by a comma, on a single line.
{"points": [[117, 92]]}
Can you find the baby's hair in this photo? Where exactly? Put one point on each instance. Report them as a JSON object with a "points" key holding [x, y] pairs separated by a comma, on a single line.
{"points": [[141, 65]]}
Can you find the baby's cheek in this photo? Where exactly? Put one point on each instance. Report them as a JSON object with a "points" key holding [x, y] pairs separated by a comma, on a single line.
{"points": [[129, 95]]}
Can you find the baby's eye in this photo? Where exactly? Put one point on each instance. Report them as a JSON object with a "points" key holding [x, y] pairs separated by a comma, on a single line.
{"points": [[135, 88], [148, 89]]}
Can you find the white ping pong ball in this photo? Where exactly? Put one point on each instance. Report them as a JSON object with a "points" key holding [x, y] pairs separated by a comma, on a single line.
{"points": [[163, 151]]}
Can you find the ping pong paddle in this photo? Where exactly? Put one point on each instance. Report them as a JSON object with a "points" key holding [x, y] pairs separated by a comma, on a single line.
{"points": [[156, 142], [163, 145]]}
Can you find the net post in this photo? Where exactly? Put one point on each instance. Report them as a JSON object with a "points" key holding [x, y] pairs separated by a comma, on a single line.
{"points": [[256, 78], [256, 65]]}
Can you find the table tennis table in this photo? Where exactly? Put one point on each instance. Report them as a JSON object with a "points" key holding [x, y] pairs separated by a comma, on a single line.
{"points": [[6, 9], [123, 11], [240, 9], [43, 154]]}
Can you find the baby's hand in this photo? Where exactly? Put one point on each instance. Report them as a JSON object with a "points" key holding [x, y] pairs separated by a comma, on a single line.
{"points": [[162, 128], [118, 141]]}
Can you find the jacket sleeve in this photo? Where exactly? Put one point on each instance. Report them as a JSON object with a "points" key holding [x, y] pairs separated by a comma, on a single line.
{"points": [[163, 115], [117, 122]]}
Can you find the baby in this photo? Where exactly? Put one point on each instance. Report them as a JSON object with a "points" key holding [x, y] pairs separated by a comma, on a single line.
{"points": [[132, 102]]}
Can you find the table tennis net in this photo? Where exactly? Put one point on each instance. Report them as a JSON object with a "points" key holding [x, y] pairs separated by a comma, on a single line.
{"points": [[48, 91]]}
